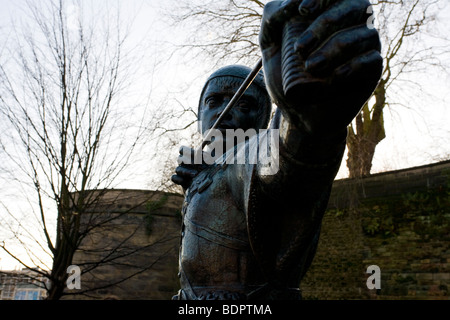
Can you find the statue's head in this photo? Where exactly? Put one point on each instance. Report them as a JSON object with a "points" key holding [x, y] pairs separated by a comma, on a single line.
{"points": [[251, 111]]}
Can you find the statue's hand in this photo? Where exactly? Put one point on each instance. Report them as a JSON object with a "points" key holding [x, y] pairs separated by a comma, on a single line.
{"points": [[187, 168], [339, 48]]}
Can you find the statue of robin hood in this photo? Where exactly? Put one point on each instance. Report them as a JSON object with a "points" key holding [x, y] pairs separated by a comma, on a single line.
{"points": [[249, 232]]}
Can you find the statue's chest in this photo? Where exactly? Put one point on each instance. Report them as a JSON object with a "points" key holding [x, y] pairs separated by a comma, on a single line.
{"points": [[210, 204]]}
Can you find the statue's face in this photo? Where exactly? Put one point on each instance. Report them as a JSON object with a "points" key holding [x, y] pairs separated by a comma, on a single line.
{"points": [[217, 95]]}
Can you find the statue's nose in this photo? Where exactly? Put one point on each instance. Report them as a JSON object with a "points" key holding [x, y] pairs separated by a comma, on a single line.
{"points": [[228, 116]]}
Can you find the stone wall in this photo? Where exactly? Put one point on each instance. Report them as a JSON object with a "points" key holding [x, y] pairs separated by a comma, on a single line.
{"points": [[397, 220], [137, 243]]}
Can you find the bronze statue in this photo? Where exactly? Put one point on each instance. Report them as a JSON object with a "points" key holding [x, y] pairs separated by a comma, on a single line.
{"points": [[250, 235]]}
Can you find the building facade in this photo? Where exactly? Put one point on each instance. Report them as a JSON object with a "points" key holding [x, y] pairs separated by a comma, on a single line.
{"points": [[22, 284]]}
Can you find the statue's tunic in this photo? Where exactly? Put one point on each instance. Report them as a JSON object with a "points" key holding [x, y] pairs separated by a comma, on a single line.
{"points": [[215, 253], [247, 236]]}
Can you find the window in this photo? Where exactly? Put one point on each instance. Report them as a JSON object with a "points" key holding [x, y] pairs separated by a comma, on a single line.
{"points": [[8, 292], [27, 294]]}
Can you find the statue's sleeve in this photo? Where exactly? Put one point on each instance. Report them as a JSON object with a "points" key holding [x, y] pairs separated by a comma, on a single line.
{"points": [[284, 207]]}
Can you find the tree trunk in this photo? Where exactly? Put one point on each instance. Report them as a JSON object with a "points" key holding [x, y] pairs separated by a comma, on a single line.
{"points": [[56, 290], [360, 155], [361, 143]]}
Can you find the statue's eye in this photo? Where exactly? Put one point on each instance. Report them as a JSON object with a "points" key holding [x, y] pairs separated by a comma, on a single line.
{"points": [[212, 102], [244, 106]]}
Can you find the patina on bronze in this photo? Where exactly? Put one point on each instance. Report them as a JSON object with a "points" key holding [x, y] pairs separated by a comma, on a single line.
{"points": [[247, 235]]}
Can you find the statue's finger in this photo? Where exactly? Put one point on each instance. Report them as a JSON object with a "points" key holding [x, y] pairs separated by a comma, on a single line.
{"points": [[339, 16], [313, 7], [365, 68], [186, 172], [275, 15], [341, 48], [360, 75], [177, 179]]}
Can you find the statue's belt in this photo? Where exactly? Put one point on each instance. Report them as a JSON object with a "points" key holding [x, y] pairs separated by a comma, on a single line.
{"points": [[255, 292], [215, 236]]}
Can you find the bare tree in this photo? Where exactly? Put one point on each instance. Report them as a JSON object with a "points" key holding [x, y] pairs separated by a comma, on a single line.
{"points": [[66, 130], [228, 32], [403, 26]]}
